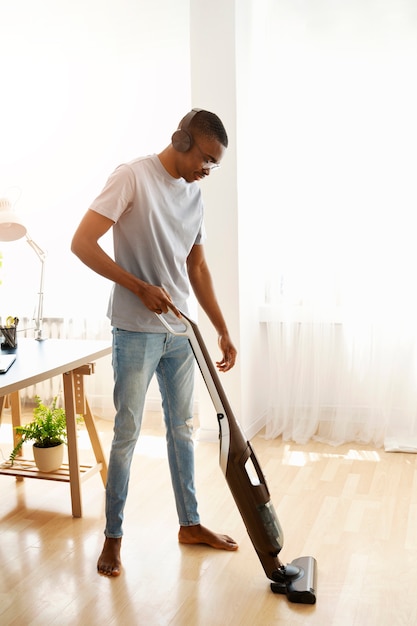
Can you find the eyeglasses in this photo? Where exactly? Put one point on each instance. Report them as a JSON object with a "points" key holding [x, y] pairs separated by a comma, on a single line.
{"points": [[207, 165]]}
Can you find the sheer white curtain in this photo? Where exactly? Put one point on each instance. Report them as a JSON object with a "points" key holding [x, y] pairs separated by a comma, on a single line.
{"points": [[338, 133]]}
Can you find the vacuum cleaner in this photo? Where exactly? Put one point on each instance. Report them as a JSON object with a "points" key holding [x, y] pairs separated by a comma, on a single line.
{"points": [[247, 483]]}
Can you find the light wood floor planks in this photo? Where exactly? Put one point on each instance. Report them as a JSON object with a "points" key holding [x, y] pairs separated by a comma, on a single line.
{"points": [[353, 508]]}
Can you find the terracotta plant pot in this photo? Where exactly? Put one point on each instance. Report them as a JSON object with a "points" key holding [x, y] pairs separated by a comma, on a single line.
{"points": [[48, 459]]}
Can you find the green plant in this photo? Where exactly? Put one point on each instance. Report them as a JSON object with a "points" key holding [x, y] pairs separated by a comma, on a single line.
{"points": [[48, 428]]}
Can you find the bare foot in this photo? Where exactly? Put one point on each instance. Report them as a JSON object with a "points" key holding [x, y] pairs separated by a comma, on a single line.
{"points": [[109, 563], [199, 534]]}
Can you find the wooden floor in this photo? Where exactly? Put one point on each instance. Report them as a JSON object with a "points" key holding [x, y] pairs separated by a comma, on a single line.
{"points": [[353, 508]]}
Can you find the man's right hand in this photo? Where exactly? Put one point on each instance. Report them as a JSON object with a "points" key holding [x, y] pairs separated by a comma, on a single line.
{"points": [[157, 299]]}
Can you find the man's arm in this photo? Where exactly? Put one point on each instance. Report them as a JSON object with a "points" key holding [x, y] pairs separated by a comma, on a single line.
{"points": [[202, 284], [86, 247]]}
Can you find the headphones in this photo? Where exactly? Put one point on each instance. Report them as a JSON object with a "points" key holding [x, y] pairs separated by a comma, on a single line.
{"points": [[182, 140]]}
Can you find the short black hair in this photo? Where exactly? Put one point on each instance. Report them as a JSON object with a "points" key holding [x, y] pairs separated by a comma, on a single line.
{"points": [[209, 125]]}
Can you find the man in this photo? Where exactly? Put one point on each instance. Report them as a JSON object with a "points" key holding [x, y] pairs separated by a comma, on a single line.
{"points": [[155, 209]]}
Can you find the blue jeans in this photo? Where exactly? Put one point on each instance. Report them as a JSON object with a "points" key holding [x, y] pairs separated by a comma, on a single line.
{"points": [[136, 358]]}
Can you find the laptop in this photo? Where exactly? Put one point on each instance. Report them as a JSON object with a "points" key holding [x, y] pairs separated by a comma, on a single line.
{"points": [[6, 361]]}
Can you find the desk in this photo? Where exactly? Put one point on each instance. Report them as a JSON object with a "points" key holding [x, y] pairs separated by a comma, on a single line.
{"points": [[40, 360]]}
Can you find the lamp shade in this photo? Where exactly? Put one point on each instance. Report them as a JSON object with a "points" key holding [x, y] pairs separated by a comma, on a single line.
{"points": [[11, 227]]}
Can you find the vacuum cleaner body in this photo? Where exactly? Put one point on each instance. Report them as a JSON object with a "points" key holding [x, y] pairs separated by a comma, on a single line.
{"points": [[248, 486]]}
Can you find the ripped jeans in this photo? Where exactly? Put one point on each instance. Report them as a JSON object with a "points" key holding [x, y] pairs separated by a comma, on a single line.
{"points": [[136, 358]]}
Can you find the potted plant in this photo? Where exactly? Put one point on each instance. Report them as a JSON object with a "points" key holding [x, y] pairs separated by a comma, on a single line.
{"points": [[48, 430]]}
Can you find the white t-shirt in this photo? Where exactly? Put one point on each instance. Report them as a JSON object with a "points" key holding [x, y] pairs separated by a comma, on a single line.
{"points": [[158, 219]]}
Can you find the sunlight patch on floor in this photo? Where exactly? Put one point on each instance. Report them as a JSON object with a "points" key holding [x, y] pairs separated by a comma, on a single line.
{"points": [[298, 458]]}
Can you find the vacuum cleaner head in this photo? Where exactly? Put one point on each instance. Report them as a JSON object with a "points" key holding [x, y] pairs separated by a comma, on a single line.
{"points": [[299, 581]]}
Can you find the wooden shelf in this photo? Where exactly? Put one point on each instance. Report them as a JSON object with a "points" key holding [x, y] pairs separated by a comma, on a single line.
{"points": [[26, 468]]}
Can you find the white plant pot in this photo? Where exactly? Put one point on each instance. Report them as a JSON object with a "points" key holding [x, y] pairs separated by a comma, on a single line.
{"points": [[48, 459]]}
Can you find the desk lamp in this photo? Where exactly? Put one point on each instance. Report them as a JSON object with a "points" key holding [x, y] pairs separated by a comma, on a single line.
{"points": [[11, 229]]}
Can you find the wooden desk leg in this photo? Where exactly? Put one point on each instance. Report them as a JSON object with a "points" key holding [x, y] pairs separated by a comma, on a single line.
{"points": [[2, 405], [82, 408], [74, 466], [16, 411], [95, 441]]}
